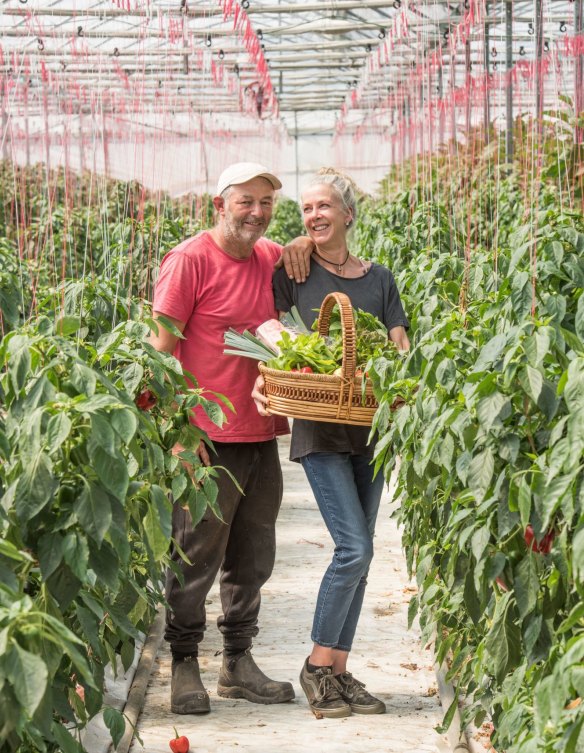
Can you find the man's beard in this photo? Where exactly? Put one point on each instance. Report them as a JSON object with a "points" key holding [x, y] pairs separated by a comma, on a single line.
{"points": [[238, 231]]}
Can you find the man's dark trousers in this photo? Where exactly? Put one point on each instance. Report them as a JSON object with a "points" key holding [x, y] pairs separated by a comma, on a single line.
{"points": [[243, 547]]}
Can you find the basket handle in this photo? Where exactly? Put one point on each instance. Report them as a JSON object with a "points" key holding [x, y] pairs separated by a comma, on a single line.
{"points": [[348, 363]]}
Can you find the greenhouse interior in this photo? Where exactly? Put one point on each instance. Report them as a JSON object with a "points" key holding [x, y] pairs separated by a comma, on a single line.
{"points": [[459, 128]]}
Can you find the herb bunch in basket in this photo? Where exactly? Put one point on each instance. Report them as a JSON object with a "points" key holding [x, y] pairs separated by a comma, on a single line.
{"points": [[297, 349]]}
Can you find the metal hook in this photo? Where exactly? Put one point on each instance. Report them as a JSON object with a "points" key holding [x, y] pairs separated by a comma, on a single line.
{"points": [[467, 4], [259, 34], [546, 46], [397, 4], [116, 52], [381, 34], [40, 44], [530, 29], [245, 4], [208, 41], [563, 27], [80, 31], [221, 54], [522, 51], [494, 52], [495, 65], [446, 34], [368, 48]]}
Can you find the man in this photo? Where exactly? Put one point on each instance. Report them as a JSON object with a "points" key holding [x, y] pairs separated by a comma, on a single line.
{"points": [[216, 280]]}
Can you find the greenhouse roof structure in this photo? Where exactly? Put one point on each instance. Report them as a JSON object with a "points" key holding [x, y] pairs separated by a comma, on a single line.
{"points": [[285, 69]]}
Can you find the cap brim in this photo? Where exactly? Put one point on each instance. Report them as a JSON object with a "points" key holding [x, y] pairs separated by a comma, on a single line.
{"points": [[276, 184]]}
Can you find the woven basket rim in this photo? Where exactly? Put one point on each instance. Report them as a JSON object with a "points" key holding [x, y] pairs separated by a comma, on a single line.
{"points": [[308, 376]]}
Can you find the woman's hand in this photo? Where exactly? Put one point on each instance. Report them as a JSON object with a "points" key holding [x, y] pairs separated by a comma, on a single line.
{"points": [[296, 258], [399, 336], [259, 398]]}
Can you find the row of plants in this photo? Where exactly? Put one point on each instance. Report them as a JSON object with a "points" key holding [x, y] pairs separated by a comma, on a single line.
{"points": [[491, 442], [86, 475]]}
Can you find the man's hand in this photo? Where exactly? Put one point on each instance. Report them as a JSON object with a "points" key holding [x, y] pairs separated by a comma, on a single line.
{"points": [[201, 451], [296, 258], [259, 397]]}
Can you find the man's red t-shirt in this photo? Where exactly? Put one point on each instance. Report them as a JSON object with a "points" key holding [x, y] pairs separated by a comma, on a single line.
{"points": [[211, 291]]}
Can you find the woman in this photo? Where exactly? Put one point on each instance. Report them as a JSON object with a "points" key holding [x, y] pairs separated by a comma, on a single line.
{"points": [[336, 457]]}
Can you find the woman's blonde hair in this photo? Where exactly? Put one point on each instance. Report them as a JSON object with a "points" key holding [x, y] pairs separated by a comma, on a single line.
{"points": [[343, 186]]}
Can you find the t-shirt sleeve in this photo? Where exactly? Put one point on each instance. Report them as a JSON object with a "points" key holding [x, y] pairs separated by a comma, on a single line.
{"points": [[283, 290], [175, 291], [395, 316]]}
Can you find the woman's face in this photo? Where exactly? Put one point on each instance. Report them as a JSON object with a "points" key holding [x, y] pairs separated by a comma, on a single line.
{"points": [[325, 218]]}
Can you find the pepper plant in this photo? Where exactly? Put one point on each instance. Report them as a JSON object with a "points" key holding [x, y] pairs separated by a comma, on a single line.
{"points": [[86, 479], [491, 443]]}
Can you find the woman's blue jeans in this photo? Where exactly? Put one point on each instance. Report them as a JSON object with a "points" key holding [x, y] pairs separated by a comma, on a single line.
{"points": [[348, 498]]}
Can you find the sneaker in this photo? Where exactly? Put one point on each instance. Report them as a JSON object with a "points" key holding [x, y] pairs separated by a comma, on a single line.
{"points": [[354, 693], [323, 693], [240, 677], [187, 693]]}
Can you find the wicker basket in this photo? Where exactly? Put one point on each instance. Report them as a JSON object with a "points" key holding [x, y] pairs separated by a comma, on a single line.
{"points": [[324, 397]]}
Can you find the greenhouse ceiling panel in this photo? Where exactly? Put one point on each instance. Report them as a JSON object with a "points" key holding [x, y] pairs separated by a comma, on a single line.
{"points": [[313, 65]]}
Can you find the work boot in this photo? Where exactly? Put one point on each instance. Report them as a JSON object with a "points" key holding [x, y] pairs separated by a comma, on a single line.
{"points": [[323, 693], [187, 694], [353, 692], [240, 677]]}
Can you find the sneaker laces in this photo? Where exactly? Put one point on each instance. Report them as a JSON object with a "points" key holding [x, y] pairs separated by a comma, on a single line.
{"points": [[329, 688], [352, 687]]}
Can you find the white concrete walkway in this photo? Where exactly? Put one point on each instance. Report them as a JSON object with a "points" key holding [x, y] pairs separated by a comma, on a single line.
{"points": [[386, 656]]}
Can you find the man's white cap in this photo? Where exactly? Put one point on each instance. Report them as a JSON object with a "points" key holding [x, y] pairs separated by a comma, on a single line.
{"points": [[241, 172]]}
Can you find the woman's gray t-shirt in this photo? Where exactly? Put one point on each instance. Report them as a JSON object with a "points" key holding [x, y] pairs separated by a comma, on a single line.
{"points": [[374, 292]]}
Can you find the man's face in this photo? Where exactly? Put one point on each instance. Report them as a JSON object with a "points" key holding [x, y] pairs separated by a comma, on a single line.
{"points": [[247, 211]]}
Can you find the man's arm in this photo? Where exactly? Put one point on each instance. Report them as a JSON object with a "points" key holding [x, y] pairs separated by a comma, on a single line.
{"points": [[296, 258], [165, 341], [399, 336]]}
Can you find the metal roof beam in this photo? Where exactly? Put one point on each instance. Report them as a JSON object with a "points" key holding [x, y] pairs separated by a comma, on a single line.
{"points": [[316, 46], [194, 12]]}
